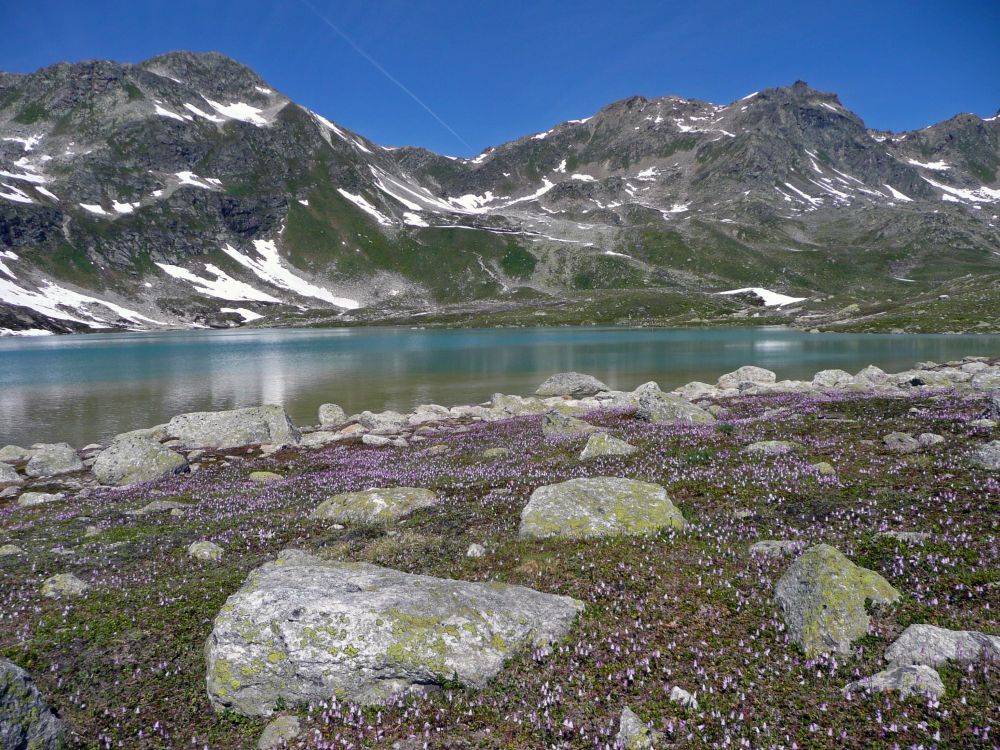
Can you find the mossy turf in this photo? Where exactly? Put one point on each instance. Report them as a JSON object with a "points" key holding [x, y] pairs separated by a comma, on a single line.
{"points": [[124, 664]]}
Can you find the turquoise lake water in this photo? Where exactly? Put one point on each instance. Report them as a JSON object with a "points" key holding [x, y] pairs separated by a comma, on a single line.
{"points": [[84, 388]]}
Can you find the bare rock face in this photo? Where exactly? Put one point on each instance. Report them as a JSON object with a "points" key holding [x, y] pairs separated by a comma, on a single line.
{"points": [[26, 721], [305, 629], [571, 384], [256, 425]]}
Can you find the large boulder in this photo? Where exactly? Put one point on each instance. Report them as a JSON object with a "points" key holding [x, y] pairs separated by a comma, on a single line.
{"points": [[666, 408], [383, 422], [52, 459], [63, 584], [822, 595], [31, 499], [746, 374], [772, 447], [26, 721], [379, 505], [901, 442], [635, 734], [8, 475], [574, 384], [555, 424], [598, 506], [255, 425], [987, 457], [602, 444], [503, 407], [331, 415], [304, 629], [14, 454], [832, 378], [933, 646], [870, 376], [134, 460], [910, 679]]}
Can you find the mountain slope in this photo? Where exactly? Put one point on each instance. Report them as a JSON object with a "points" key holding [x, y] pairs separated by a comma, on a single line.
{"points": [[185, 191]]}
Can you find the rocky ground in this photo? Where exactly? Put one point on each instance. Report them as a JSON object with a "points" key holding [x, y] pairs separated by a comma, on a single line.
{"points": [[750, 563]]}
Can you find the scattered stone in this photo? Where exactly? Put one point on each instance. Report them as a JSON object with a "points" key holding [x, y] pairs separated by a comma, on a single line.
{"points": [[475, 550], [599, 506], [934, 646], [379, 505], [136, 459], [91, 531], [265, 477], [555, 424], [825, 468], [927, 439], [666, 408], [746, 374], [871, 376], [321, 438], [376, 441], [906, 536], [683, 698], [822, 595], [14, 454], [776, 548], [157, 433], [159, 506], [635, 734], [26, 721], [503, 407], [209, 551], [987, 457], [382, 423], [435, 450], [304, 629], [832, 378], [987, 424], [571, 384], [8, 550], [10, 491], [30, 499], [52, 459], [428, 414], [772, 447], [991, 412], [331, 415], [8, 475], [279, 733], [496, 452], [256, 425], [602, 444], [910, 679], [63, 584], [901, 442], [195, 454]]}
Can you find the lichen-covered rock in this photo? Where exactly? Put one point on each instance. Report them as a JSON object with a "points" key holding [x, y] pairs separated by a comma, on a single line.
{"points": [[933, 646], [987, 457], [871, 376], [832, 378], [496, 452], [746, 374], [696, 389], [208, 551], [8, 475], [901, 442], [913, 537], [635, 734], [664, 408], [382, 423], [825, 468], [503, 407], [134, 460], [331, 415], [52, 459], [279, 732], [159, 506], [602, 444], [427, 414], [64, 584], [555, 424], [31, 499], [910, 679], [14, 454], [303, 629], [26, 721], [255, 425], [929, 439], [772, 447], [822, 595], [570, 384], [598, 506], [264, 477], [10, 550], [775, 548], [378, 505]]}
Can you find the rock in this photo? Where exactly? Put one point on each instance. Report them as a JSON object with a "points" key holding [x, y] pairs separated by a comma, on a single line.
{"points": [[9, 491], [30, 499], [380, 505], [987, 424], [987, 457], [555, 424], [927, 439], [683, 698], [320, 438], [503, 407], [635, 734], [901, 442], [376, 441], [822, 595], [825, 468], [776, 548], [696, 389], [63, 584], [52, 459], [428, 414], [746, 374], [256, 425], [8, 475], [772, 447], [382, 423], [910, 679], [279, 733], [599, 506], [158, 506], [832, 378], [209, 551], [906, 536], [496, 452], [871, 376], [9, 550], [26, 721], [157, 433], [134, 460], [666, 408], [571, 384], [304, 629], [602, 444], [934, 646], [986, 380], [331, 415], [264, 477], [14, 454], [475, 550]]}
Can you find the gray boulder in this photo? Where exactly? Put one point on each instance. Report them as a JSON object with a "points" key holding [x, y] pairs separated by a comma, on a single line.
{"points": [[746, 374], [832, 378], [11, 550], [14, 454], [776, 548], [8, 475], [304, 629], [933, 646], [602, 444], [683, 698], [991, 412], [503, 407], [26, 721], [379, 505], [987, 457], [772, 447], [929, 439], [910, 679], [871, 376], [52, 459], [157, 433], [555, 424], [256, 425], [901, 442], [666, 408], [910, 537], [63, 584], [599, 506], [207, 551], [134, 460], [331, 415], [635, 734], [571, 384], [383, 422], [31, 499], [822, 596], [159, 506], [279, 732]]}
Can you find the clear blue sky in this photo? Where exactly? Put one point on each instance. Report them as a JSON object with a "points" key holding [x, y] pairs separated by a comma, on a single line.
{"points": [[493, 71]]}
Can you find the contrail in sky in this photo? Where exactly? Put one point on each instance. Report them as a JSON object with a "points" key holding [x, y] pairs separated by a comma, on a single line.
{"points": [[382, 70]]}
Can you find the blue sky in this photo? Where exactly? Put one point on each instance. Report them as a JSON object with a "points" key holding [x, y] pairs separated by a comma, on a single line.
{"points": [[490, 71]]}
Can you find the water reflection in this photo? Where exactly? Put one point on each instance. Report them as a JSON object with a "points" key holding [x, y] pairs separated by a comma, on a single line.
{"points": [[84, 388]]}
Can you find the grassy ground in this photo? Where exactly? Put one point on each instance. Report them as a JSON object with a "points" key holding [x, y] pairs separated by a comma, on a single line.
{"points": [[124, 664]]}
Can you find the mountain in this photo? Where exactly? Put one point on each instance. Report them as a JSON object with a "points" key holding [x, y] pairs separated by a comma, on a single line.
{"points": [[186, 191]]}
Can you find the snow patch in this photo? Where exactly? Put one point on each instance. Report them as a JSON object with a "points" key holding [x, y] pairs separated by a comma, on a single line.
{"points": [[238, 111], [204, 115], [583, 177], [771, 299], [94, 208], [46, 192], [164, 112], [898, 195], [414, 220], [938, 166], [15, 194], [222, 286], [979, 195], [190, 178], [361, 202], [248, 315]]}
